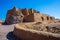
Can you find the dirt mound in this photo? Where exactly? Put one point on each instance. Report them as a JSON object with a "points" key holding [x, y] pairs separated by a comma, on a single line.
{"points": [[38, 31]]}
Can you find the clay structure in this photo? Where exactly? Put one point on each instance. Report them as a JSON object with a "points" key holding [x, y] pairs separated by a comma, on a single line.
{"points": [[37, 31], [16, 15]]}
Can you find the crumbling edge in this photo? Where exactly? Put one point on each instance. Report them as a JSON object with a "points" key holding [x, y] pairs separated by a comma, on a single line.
{"points": [[31, 34]]}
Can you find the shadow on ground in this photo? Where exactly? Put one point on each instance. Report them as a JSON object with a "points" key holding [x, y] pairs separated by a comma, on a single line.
{"points": [[10, 36], [4, 23]]}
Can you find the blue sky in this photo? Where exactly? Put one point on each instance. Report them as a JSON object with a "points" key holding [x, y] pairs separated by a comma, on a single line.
{"points": [[50, 7]]}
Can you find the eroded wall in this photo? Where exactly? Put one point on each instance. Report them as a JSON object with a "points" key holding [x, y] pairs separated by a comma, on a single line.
{"points": [[16, 15]]}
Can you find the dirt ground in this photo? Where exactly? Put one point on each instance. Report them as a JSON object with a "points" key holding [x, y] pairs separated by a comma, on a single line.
{"points": [[6, 32]]}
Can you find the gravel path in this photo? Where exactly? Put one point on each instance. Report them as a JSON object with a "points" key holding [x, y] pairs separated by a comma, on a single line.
{"points": [[6, 32]]}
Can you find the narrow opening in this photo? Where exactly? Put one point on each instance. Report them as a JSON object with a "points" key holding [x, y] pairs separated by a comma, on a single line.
{"points": [[21, 16], [50, 18], [42, 18], [47, 18]]}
